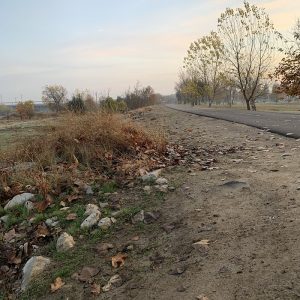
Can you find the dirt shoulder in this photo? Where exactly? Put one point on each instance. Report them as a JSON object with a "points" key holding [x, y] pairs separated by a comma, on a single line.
{"points": [[252, 222], [227, 227]]}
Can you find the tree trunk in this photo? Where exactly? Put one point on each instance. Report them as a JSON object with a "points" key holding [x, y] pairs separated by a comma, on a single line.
{"points": [[253, 106], [248, 104]]}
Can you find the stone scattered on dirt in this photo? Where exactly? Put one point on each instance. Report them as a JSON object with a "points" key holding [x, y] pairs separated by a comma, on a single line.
{"points": [[65, 242], [18, 200], [52, 222], [88, 190], [147, 189], [29, 205], [4, 219], [162, 188], [139, 217], [91, 220], [161, 181], [106, 222], [34, 267], [91, 208], [151, 176]]}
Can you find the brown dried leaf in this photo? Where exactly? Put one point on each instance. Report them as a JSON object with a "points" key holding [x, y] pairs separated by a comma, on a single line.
{"points": [[72, 198], [42, 231], [95, 289], [42, 206], [56, 285], [118, 260], [8, 236], [202, 243]]}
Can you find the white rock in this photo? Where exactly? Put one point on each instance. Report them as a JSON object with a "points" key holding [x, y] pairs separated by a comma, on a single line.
{"points": [[4, 219], [147, 189], [91, 220], [162, 188], [18, 200], [151, 176], [91, 208], [161, 181], [34, 266], [64, 242], [105, 223]]}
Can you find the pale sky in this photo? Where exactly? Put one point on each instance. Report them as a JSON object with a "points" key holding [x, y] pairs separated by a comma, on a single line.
{"points": [[107, 45]]}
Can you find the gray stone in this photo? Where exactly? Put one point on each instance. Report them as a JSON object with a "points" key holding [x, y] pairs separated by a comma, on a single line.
{"points": [[4, 219], [139, 217], [105, 223], [91, 220], [34, 267], [18, 200], [52, 222], [103, 204], [64, 242], [89, 190]]}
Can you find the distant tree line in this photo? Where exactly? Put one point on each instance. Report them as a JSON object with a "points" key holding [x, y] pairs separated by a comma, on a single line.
{"points": [[55, 97]]}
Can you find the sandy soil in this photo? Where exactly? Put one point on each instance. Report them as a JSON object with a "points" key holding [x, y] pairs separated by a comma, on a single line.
{"points": [[247, 206]]}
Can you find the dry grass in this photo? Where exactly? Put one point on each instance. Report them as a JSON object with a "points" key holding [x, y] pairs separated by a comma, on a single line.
{"points": [[85, 146]]}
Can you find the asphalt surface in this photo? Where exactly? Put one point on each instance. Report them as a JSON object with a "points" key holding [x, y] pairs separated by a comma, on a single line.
{"points": [[287, 124]]}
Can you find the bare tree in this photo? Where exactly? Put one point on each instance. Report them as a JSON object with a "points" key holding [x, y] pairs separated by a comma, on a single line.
{"points": [[248, 37], [204, 62], [54, 96]]}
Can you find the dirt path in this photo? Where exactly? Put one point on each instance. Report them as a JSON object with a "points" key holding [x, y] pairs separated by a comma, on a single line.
{"points": [[247, 205]]}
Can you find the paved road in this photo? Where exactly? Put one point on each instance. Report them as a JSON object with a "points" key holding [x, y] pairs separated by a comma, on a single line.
{"points": [[287, 124]]}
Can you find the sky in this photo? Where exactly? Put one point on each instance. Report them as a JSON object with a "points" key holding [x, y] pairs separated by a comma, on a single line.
{"points": [[106, 46]]}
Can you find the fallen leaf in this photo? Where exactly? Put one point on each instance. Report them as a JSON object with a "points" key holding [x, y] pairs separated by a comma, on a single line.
{"points": [[135, 238], [71, 217], [56, 285], [42, 231], [8, 236], [87, 273], [42, 206], [95, 289], [202, 243], [118, 260], [72, 198]]}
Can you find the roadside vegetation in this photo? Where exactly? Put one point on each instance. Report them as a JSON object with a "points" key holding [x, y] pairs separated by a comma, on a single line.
{"points": [[237, 61]]}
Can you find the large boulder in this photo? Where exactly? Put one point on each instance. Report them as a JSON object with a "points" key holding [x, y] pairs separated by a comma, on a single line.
{"points": [[18, 200]]}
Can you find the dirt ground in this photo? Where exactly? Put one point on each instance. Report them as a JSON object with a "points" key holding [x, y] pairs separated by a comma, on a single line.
{"points": [[247, 206], [228, 230]]}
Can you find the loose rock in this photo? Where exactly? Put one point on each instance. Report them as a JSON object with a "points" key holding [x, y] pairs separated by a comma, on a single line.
{"points": [[105, 223], [18, 200], [139, 217], [161, 181], [91, 220], [65, 242], [34, 266]]}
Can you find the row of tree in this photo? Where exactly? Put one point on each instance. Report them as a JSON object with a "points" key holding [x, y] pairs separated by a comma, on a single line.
{"points": [[237, 60], [55, 97]]}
